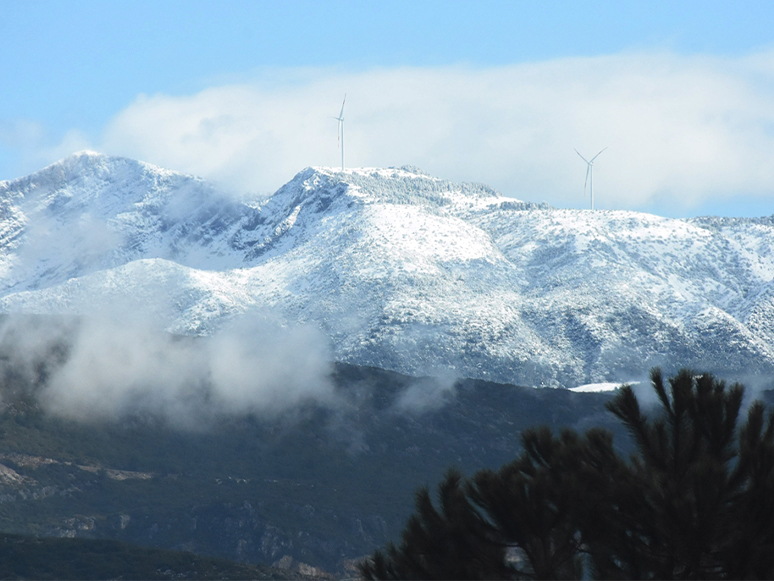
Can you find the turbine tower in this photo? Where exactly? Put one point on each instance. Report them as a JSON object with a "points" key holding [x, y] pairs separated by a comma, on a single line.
{"points": [[340, 119], [589, 174]]}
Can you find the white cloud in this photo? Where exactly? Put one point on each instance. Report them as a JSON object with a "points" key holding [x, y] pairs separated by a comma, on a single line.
{"points": [[111, 367], [680, 130]]}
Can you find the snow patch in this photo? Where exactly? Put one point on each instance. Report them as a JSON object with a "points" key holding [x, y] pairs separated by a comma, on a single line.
{"points": [[598, 387]]}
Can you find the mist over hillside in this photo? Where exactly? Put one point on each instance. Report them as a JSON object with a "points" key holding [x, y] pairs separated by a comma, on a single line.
{"points": [[395, 269], [321, 473], [321, 481]]}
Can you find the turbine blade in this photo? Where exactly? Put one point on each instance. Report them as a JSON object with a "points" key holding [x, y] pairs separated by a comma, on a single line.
{"points": [[588, 170], [583, 158], [341, 115], [597, 155]]}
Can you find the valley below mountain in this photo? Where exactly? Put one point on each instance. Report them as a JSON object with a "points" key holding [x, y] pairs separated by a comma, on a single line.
{"points": [[313, 489]]}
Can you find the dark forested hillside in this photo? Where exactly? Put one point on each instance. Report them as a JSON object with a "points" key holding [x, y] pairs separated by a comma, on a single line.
{"points": [[321, 485], [692, 501], [24, 557]]}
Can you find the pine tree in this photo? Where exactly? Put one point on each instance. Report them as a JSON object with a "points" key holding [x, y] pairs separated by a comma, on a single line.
{"points": [[694, 501], [749, 554], [450, 544], [536, 502], [704, 488]]}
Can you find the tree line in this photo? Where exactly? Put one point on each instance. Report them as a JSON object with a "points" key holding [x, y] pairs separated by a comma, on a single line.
{"points": [[694, 501]]}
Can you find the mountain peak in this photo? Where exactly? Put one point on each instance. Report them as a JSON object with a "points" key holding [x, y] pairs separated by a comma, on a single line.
{"points": [[89, 159], [376, 172], [90, 171], [91, 211], [405, 185], [400, 269]]}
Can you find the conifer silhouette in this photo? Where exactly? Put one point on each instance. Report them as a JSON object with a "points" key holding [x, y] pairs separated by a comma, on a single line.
{"points": [[696, 481], [694, 501], [450, 544]]}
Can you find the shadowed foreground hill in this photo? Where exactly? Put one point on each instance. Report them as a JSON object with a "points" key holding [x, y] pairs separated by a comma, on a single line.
{"points": [[323, 486], [24, 557], [319, 484]]}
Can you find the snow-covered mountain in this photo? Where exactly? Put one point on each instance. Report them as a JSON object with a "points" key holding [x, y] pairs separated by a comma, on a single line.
{"points": [[402, 270]]}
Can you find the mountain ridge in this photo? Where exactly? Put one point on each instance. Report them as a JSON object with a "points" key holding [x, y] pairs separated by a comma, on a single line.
{"points": [[401, 270]]}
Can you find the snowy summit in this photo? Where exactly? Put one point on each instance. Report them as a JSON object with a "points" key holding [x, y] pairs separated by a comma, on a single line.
{"points": [[400, 269]]}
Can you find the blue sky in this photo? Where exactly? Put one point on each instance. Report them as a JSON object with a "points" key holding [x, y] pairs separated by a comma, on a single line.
{"points": [[682, 93]]}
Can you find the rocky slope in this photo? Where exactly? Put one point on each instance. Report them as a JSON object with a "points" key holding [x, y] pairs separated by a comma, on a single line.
{"points": [[401, 270]]}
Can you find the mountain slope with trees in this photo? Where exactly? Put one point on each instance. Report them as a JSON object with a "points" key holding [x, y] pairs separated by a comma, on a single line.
{"points": [[321, 485], [80, 559], [398, 270]]}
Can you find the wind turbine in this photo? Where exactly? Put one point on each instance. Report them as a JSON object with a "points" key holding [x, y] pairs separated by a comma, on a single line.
{"points": [[340, 119], [589, 174]]}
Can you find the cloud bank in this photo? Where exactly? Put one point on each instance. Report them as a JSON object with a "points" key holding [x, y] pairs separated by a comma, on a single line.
{"points": [[680, 130], [103, 369]]}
